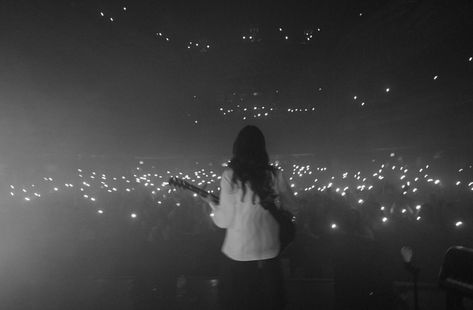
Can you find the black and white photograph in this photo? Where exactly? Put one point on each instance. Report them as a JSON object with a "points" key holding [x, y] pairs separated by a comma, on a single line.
{"points": [[236, 154]]}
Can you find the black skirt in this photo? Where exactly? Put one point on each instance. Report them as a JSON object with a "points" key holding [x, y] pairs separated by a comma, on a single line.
{"points": [[251, 284]]}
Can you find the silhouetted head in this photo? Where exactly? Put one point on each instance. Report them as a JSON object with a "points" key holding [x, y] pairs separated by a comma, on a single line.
{"points": [[250, 161], [249, 148]]}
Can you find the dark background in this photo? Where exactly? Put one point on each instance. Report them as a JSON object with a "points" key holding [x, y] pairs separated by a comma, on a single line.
{"points": [[72, 82]]}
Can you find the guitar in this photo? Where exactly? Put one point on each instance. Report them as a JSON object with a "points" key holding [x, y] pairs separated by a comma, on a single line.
{"points": [[285, 219], [180, 183]]}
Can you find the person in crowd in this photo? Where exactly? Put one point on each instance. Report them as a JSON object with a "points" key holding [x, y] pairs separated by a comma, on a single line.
{"points": [[251, 276]]}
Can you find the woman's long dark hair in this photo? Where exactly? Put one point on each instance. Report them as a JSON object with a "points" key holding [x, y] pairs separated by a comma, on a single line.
{"points": [[250, 163]]}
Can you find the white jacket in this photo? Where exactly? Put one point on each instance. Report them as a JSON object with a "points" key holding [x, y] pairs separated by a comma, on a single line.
{"points": [[251, 231]]}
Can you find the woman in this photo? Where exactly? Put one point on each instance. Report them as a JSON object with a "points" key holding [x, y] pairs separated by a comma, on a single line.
{"points": [[251, 273]]}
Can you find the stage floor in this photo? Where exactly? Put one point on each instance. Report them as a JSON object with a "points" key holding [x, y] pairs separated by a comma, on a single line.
{"points": [[191, 293]]}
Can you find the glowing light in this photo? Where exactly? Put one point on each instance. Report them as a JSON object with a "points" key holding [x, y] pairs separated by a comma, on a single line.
{"points": [[459, 223], [101, 14], [388, 90], [133, 215], [418, 218], [418, 207], [100, 211], [334, 226], [457, 183], [360, 201], [384, 219], [436, 77]]}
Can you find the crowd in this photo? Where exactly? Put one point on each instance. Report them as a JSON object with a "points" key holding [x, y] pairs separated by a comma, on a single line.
{"points": [[157, 240]]}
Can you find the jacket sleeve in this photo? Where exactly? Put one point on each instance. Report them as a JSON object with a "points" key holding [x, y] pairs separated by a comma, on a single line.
{"points": [[224, 212], [286, 196]]}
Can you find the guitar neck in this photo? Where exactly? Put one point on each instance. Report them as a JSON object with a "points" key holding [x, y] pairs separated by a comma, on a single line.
{"points": [[201, 192]]}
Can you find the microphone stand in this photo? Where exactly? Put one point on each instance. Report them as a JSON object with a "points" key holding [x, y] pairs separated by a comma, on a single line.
{"points": [[414, 271]]}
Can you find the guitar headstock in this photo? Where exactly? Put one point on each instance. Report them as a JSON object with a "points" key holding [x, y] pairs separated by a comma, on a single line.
{"points": [[176, 182]]}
